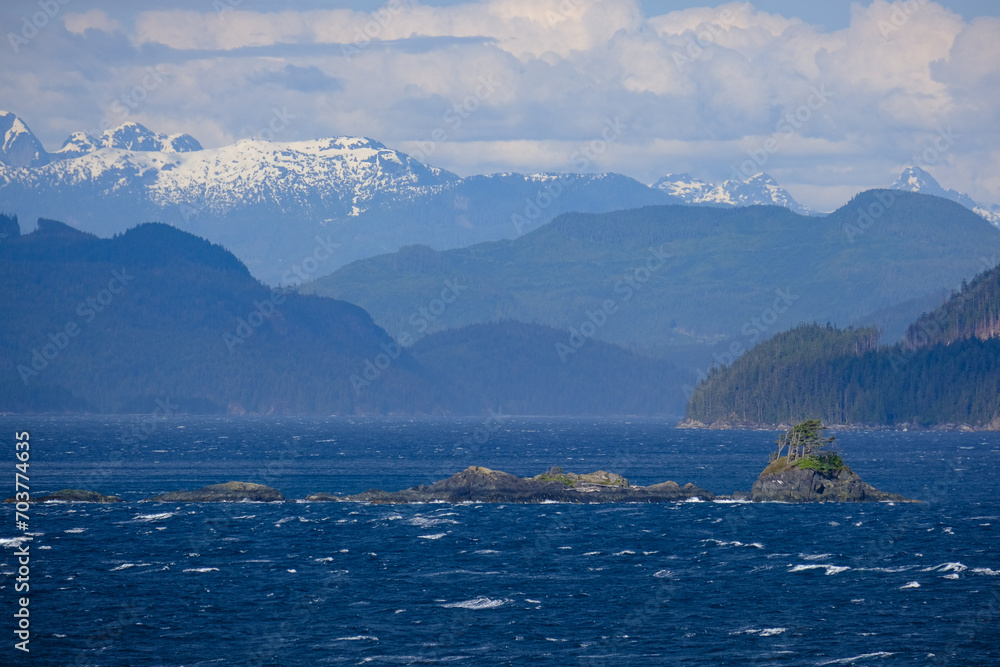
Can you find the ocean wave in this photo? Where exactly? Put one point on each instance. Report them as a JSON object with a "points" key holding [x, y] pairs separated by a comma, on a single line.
{"points": [[665, 574], [912, 584], [427, 522], [75, 531], [830, 569], [125, 566], [356, 638], [435, 536], [761, 632], [815, 556], [12, 542], [985, 571], [201, 570], [888, 570], [946, 567], [848, 661], [734, 543], [153, 517], [477, 603]]}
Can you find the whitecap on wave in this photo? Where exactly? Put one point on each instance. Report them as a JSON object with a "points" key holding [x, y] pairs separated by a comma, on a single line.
{"points": [[857, 658], [830, 569], [889, 570], [912, 584], [477, 603], [947, 567], [435, 536], [12, 541], [201, 570], [761, 632], [74, 531], [985, 571], [734, 543], [356, 638], [125, 566], [153, 517], [427, 522]]}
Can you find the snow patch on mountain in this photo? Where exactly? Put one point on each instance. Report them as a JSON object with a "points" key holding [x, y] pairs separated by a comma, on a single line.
{"points": [[915, 179]]}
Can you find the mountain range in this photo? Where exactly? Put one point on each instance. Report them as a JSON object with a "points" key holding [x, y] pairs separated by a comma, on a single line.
{"points": [[693, 284], [158, 319], [293, 211]]}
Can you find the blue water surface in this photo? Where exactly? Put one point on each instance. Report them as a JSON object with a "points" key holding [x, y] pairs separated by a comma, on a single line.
{"points": [[700, 583]]}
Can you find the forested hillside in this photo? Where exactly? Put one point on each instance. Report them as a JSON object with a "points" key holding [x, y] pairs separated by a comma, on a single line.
{"points": [[690, 282], [946, 372], [156, 314], [157, 317]]}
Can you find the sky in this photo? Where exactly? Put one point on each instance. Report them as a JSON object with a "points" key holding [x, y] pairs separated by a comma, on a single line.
{"points": [[829, 98]]}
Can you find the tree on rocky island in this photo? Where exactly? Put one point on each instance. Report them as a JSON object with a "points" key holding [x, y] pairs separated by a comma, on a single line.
{"points": [[808, 448]]}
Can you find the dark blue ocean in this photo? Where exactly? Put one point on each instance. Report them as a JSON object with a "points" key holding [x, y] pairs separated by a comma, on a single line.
{"points": [[695, 583]]}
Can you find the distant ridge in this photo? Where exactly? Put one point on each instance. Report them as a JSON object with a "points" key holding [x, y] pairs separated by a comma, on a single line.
{"points": [[274, 203]]}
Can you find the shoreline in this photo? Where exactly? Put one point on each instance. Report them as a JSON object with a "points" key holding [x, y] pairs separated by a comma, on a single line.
{"points": [[695, 425]]}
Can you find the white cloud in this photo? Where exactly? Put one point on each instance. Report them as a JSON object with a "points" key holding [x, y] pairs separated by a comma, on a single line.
{"points": [[95, 19], [700, 89]]}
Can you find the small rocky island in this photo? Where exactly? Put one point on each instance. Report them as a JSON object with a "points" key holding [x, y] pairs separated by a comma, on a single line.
{"points": [[803, 469], [72, 496], [808, 472], [230, 492], [482, 485]]}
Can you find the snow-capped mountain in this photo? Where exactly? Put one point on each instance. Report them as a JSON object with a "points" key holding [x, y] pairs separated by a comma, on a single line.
{"points": [[759, 189], [341, 176], [129, 137], [20, 148], [915, 179], [274, 203]]}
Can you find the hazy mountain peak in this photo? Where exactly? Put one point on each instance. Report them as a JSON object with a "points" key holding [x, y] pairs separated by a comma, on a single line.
{"points": [[20, 147], [78, 143], [916, 179], [758, 190], [133, 136]]}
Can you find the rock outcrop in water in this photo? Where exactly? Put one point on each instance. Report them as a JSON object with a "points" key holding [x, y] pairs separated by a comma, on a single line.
{"points": [[789, 483], [805, 469], [230, 492], [73, 496], [477, 484]]}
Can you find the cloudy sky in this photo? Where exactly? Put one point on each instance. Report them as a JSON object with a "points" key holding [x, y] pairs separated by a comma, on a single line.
{"points": [[829, 98]]}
